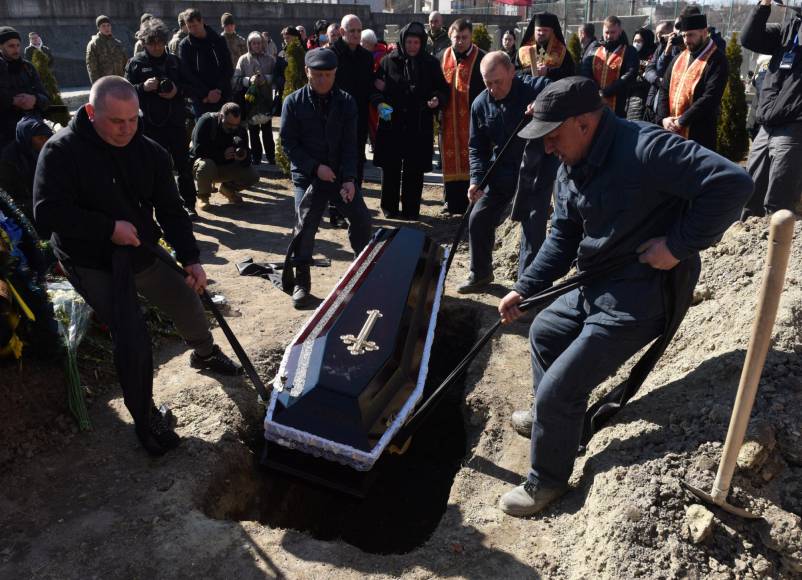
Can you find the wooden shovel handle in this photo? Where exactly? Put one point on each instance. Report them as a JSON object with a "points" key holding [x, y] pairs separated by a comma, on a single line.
{"points": [[781, 233]]}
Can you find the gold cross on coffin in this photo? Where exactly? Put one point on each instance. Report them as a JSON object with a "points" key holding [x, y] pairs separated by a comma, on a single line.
{"points": [[360, 344]]}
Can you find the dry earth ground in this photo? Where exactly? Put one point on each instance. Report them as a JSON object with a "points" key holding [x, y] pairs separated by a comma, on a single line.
{"points": [[94, 505]]}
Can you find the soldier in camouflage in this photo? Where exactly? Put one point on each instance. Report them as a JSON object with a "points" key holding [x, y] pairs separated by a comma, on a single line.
{"points": [[236, 44], [104, 54]]}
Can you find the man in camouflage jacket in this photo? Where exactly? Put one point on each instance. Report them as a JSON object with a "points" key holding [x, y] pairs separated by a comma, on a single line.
{"points": [[104, 54]]}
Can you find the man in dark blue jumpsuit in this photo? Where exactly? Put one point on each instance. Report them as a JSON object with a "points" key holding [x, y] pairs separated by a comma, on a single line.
{"points": [[318, 133], [623, 189], [495, 114]]}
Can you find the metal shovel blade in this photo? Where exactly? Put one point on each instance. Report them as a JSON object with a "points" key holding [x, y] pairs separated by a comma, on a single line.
{"points": [[727, 507]]}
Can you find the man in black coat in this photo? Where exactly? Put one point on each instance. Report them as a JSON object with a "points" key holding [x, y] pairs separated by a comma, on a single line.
{"points": [[774, 161], [156, 76], [98, 183], [318, 133], [355, 77], [614, 66], [21, 90], [205, 65], [414, 90], [690, 97]]}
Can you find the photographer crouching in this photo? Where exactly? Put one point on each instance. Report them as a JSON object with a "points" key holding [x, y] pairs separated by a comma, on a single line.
{"points": [[98, 183], [220, 150], [156, 76]]}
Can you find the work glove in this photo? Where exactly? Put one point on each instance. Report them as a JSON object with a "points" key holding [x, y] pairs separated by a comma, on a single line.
{"points": [[385, 111]]}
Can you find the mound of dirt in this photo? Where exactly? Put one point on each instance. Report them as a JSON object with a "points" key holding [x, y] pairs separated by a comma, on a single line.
{"points": [[635, 520]]}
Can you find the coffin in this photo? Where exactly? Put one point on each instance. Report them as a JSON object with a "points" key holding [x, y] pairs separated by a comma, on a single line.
{"points": [[353, 374]]}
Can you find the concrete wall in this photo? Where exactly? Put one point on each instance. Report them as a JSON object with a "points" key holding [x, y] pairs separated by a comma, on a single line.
{"points": [[67, 25]]}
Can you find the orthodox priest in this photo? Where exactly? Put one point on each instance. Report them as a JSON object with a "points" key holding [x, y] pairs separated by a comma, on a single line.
{"points": [[614, 66], [543, 52], [690, 99], [460, 64]]}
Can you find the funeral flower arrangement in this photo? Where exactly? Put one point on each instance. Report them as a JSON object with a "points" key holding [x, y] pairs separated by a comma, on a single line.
{"points": [[259, 99]]}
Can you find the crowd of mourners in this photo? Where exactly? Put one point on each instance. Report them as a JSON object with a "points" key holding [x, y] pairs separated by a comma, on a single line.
{"points": [[190, 114]]}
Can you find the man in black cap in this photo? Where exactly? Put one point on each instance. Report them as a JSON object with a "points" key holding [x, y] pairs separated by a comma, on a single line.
{"points": [[319, 135], [774, 160], [690, 96], [543, 52], [624, 189], [21, 90]]}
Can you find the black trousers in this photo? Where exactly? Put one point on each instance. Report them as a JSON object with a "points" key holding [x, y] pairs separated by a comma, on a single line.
{"points": [[402, 181], [165, 289], [174, 140], [266, 133], [361, 141]]}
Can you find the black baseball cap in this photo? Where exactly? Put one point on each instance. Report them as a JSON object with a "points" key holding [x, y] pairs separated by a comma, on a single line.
{"points": [[559, 101], [321, 59]]}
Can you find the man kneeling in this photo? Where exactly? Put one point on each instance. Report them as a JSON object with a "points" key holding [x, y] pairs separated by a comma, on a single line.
{"points": [[220, 150], [97, 185]]}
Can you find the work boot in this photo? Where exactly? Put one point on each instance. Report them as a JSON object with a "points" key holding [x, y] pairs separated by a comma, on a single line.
{"points": [[301, 293], [300, 297], [522, 422], [157, 436], [230, 194], [216, 362], [529, 498], [473, 284]]}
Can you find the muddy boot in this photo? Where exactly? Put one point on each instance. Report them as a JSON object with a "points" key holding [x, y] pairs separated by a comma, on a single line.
{"points": [[473, 284], [157, 436], [303, 286], [230, 193], [522, 423], [529, 498]]}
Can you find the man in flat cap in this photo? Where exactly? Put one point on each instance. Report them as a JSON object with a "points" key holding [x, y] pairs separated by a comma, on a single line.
{"points": [[690, 96], [105, 54], [21, 90], [319, 135], [614, 66], [629, 194], [543, 52]]}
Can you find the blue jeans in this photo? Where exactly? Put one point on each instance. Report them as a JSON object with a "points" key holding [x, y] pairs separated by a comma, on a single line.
{"points": [[310, 213], [574, 349]]}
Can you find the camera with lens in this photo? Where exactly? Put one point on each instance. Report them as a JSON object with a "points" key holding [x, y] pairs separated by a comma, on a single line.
{"points": [[165, 85], [240, 150], [677, 40]]}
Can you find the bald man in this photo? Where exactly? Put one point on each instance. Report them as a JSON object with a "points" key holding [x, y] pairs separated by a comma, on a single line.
{"points": [[438, 39], [355, 77], [98, 183], [495, 114]]}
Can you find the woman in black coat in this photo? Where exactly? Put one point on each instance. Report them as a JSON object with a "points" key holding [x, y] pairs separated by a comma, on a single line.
{"points": [[415, 88], [644, 43]]}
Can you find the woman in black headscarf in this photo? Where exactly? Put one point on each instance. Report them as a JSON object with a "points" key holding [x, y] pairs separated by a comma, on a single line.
{"points": [[415, 89], [644, 43]]}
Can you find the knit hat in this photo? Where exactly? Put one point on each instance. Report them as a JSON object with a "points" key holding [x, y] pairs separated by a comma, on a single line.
{"points": [[7, 33], [226, 19], [102, 19]]}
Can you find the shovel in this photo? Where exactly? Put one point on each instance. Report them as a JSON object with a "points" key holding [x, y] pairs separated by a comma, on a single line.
{"points": [[781, 232]]}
